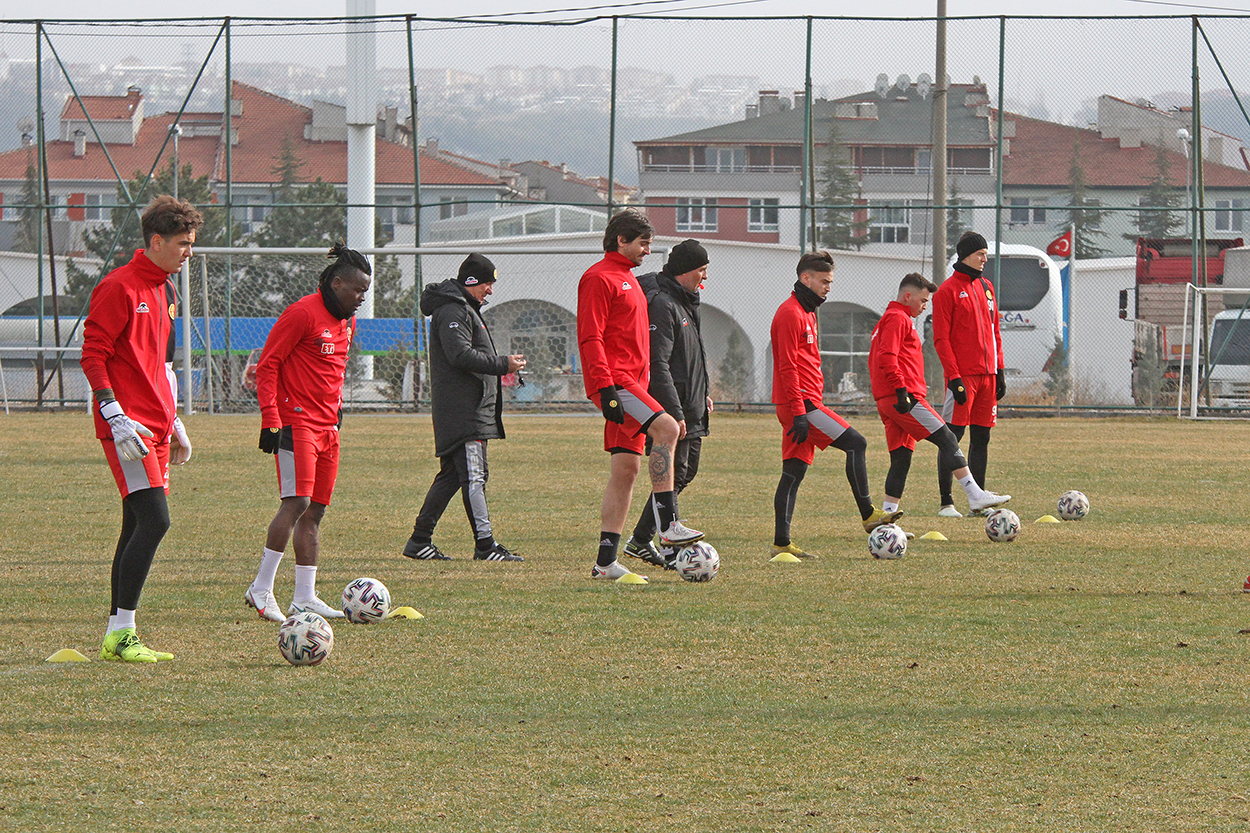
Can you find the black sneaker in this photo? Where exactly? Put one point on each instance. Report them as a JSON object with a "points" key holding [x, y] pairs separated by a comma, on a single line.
{"points": [[424, 552], [644, 551], [496, 553]]}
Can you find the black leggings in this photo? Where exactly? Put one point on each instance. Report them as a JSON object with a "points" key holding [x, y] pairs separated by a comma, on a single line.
{"points": [[145, 520]]}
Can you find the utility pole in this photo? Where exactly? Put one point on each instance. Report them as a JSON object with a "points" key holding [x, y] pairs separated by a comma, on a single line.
{"points": [[939, 149]]}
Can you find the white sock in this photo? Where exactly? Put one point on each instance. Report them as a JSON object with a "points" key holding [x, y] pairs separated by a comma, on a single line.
{"points": [[971, 489], [268, 570], [124, 619], [112, 626], [889, 507], [305, 583]]}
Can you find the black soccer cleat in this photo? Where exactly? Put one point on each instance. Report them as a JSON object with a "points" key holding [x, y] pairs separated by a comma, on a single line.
{"points": [[424, 551], [496, 553]]}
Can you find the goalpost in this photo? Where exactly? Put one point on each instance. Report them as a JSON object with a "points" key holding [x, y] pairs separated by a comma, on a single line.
{"points": [[1215, 358]]}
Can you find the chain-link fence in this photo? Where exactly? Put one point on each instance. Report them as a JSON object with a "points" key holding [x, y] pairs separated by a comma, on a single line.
{"points": [[1119, 140]]}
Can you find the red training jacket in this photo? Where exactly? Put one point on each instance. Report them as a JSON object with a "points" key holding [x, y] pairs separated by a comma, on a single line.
{"points": [[796, 357], [124, 341], [896, 357], [965, 327], [613, 335], [299, 378]]}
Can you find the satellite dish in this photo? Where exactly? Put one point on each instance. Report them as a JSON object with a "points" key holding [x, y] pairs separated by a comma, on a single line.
{"points": [[924, 84], [883, 85], [903, 82], [25, 125]]}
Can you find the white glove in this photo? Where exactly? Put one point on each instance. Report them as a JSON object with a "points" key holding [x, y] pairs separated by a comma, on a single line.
{"points": [[180, 447], [126, 432]]}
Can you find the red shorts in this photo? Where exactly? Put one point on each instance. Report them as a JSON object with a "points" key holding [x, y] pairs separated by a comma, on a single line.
{"points": [[826, 426], [152, 472], [981, 407], [640, 409], [308, 462], [903, 430]]}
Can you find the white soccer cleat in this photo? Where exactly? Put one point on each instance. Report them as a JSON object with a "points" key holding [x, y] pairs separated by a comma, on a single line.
{"points": [[988, 500], [678, 535], [265, 604], [949, 511], [612, 572], [314, 605]]}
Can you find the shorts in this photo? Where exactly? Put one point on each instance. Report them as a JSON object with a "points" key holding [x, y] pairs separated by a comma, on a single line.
{"points": [[640, 411], [903, 430], [981, 407], [826, 426], [152, 472], [308, 462]]}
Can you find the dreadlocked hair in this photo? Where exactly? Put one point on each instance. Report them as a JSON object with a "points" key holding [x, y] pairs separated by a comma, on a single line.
{"points": [[345, 262]]}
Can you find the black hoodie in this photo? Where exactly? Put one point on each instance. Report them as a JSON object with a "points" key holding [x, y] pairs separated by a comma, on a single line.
{"points": [[678, 363]]}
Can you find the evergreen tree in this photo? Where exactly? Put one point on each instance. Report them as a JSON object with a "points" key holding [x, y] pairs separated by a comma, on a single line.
{"points": [[955, 227], [734, 371], [1162, 220], [1058, 382], [28, 217], [839, 228], [1083, 212]]}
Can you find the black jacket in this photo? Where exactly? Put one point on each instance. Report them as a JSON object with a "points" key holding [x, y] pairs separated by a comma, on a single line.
{"points": [[464, 369], [678, 363]]}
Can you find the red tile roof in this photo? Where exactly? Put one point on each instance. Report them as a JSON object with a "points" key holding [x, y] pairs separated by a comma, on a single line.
{"points": [[103, 107]]}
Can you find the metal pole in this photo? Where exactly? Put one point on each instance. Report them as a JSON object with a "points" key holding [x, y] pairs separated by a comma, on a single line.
{"points": [[811, 138], [41, 209], [939, 148], [612, 124], [226, 364], [208, 335], [998, 154], [176, 129], [184, 289], [417, 277], [1199, 198], [807, 150]]}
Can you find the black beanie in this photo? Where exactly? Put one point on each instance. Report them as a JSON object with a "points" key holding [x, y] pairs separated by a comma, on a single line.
{"points": [[969, 243], [686, 256], [477, 269]]}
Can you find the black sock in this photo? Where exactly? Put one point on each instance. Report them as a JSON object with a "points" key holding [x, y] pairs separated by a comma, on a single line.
{"points": [[485, 544], [665, 507], [608, 543]]}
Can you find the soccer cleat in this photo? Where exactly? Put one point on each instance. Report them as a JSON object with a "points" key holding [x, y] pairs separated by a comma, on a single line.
{"points": [[424, 552], [678, 535], [647, 552], [879, 517], [613, 571], [988, 500], [1246, 587], [496, 553], [314, 605], [793, 549], [265, 604], [124, 646], [948, 511]]}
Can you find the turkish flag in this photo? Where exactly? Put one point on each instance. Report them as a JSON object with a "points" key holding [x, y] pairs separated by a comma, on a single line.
{"points": [[1061, 246]]}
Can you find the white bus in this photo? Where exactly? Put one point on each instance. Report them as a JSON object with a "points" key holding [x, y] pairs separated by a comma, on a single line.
{"points": [[1030, 309]]}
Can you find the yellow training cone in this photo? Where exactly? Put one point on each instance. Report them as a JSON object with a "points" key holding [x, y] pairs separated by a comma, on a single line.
{"points": [[67, 655], [933, 535], [784, 558], [404, 613], [631, 578], [1047, 519]]}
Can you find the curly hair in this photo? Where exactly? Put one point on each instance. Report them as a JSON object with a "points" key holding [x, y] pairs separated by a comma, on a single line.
{"points": [[169, 217]]}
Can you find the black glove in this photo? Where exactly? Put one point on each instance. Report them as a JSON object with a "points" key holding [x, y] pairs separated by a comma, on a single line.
{"points": [[956, 387], [1001, 390], [798, 430], [905, 400], [610, 403], [269, 440]]}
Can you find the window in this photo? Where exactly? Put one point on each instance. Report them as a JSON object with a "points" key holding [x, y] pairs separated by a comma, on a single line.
{"points": [[762, 215], [448, 207], [1024, 283], [1026, 211], [250, 213], [725, 160], [696, 214], [1228, 215], [93, 211], [889, 222]]}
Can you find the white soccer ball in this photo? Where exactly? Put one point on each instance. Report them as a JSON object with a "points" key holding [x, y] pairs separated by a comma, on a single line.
{"points": [[887, 541], [305, 639], [365, 601], [1002, 525], [698, 562], [1073, 506]]}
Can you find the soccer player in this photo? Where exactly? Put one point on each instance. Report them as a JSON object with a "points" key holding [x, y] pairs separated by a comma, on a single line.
{"points": [[467, 405], [896, 365], [798, 391], [299, 385], [970, 346], [678, 378], [125, 339], [615, 348]]}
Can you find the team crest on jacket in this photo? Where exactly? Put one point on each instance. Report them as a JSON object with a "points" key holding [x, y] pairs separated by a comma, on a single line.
{"points": [[989, 296], [143, 307], [173, 312], [625, 285]]}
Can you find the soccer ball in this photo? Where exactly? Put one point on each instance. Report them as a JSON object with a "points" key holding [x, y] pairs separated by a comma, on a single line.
{"points": [[887, 541], [305, 639], [365, 601], [1002, 525], [698, 562], [1073, 506]]}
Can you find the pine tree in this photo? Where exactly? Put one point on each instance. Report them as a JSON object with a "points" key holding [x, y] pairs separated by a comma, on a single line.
{"points": [[28, 217], [839, 227], [1083, 212], [1162, 221], [955, 227], [735, 371]]}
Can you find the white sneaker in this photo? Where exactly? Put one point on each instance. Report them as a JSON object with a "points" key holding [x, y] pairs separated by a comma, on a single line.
{"points": [[949, 511], [678, 535], [265, 604], [314, 605], [613, 571], [988, 500]]}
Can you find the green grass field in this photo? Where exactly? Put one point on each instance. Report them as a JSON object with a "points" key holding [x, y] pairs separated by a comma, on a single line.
{"points": [[1090, 676]]}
